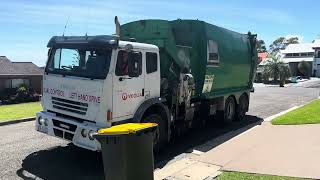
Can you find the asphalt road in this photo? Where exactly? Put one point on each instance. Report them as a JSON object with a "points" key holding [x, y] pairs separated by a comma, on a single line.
{"points": [[27, 154]]}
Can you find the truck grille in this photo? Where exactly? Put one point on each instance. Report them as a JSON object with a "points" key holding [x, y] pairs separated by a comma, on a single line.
{"points": [[68, 105], [64, 125], [62, 134]]}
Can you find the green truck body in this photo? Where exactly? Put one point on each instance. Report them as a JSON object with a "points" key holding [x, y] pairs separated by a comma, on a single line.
{"points": [[184, 44]]}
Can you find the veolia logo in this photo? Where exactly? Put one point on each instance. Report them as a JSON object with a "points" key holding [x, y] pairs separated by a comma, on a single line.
{"points": [[124, 96]]}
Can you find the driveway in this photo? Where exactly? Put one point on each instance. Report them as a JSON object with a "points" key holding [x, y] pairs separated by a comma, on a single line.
{"points": [[27, 154]]}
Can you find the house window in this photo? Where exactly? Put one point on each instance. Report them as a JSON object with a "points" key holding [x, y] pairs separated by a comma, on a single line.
{"points": [[318, 54], [311, 54], [213, 52], [295, 54], [7, 84], [289, 55], [15, 83], [304, 54]]}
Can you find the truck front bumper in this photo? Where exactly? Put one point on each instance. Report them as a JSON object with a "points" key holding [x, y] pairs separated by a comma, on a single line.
{"points": [[68, 129]]}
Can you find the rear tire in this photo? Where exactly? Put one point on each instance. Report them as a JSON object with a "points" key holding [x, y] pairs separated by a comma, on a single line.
{"points": [[161, 134], [229, 110], [242, 107]]}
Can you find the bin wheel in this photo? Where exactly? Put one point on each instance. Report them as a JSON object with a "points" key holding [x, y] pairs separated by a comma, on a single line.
{"points": [[160, 138], [229, 110], [242, 107]]}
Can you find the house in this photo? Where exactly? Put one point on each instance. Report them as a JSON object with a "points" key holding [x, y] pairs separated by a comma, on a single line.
{"points": [[296, 53], [262, 56], [13, 74], [262, 60], [316, 62]]}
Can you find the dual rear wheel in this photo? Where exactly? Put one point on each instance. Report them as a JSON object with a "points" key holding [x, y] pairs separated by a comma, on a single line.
{"points": [[233, 111]]}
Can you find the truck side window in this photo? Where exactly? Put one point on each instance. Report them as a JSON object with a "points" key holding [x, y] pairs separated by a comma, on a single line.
{"points": [[122, 67], [152, 62], [213, 52]]}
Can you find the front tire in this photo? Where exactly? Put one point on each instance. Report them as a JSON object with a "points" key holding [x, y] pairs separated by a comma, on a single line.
{"points": [[161, 134]]}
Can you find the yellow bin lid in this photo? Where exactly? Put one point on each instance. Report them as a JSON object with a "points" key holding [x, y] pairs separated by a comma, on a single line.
{"points": [[129, 128]]}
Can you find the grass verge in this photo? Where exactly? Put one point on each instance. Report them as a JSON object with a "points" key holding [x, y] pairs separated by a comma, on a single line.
{"points": [[307, 114], [249, 176], [19, 111]]}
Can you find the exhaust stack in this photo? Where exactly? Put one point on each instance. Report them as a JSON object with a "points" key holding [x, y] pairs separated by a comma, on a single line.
{"points": [[116, 21]]}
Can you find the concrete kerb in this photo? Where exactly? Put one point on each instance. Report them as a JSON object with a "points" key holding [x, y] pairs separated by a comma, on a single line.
{"points": [[17, 121], [270, 118]]}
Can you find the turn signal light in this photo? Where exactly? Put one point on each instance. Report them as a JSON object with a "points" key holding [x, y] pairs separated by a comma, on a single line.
{"points": [[109, 115]]}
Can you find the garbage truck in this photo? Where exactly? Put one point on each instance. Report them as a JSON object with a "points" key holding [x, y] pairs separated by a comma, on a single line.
{"points": [[174, 73]]}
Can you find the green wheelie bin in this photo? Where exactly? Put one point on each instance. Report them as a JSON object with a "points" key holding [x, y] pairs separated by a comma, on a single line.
{"points": [[127, 151]]}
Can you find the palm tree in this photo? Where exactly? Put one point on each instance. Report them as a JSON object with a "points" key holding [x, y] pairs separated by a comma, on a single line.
{"points": [[285, 73], [276, 69]]}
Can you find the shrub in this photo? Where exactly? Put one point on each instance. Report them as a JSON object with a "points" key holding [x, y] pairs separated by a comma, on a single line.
{"points": [[304, 68]]}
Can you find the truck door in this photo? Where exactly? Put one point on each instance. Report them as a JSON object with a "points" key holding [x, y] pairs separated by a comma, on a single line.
{"points": [[128, 92]]}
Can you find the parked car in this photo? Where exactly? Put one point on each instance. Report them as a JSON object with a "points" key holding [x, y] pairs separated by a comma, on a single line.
{"points": [[294, 79]]}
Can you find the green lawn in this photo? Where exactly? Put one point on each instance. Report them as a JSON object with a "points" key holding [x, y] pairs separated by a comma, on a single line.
{"points": [[307, 114], [19, 111], [248, 176]]}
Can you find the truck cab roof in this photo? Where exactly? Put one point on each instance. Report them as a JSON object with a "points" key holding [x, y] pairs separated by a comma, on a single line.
{"points": [[99, 41], [83, 41], [137, 45]]}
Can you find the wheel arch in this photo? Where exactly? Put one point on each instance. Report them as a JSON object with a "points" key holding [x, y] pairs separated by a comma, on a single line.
{"points": [[152, 104]]}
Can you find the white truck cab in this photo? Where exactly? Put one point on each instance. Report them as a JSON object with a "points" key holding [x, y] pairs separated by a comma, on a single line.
{"points": [[94, 82]]}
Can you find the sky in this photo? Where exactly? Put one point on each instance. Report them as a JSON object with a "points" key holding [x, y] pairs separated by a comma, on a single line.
{"points": [[27, 26]]}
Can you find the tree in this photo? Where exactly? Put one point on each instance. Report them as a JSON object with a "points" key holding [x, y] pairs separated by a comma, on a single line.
{"points": [[261, 46], [277, 45], [304, 68], [293, 40], [282, 43], [285, 73], [276, 69]]}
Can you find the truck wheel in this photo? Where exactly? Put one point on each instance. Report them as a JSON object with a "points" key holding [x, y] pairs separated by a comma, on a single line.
{"points": [[229, 110], [160, 138], [242, 107]]}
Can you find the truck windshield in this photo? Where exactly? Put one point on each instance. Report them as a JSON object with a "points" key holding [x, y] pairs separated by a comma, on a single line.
{"points": [[89, 63]]}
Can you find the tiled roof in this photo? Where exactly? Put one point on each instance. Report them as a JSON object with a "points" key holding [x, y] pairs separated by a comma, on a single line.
{"points": [[262, 56], [18, 68]]}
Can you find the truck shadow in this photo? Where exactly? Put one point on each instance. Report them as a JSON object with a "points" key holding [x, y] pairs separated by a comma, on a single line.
{"points": [[70, 162], [62, 162], [197, 139]]}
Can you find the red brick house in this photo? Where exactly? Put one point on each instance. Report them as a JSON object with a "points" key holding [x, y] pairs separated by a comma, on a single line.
{"points": [[13, 74]]}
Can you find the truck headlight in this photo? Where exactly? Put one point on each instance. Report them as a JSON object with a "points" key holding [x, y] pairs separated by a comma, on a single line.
{"points": [[43, 121], [84, 133], [91, 132]]}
